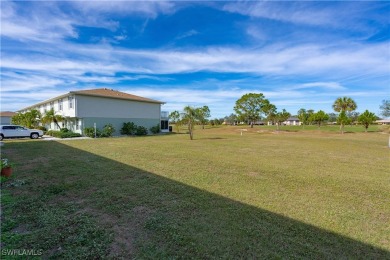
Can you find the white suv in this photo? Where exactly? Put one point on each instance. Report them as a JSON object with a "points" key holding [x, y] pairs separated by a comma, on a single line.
{"points": [[12, 131]]}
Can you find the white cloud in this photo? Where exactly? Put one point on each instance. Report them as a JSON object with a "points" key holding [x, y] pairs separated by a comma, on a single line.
{"points": [[325, 85], [146, 8]]}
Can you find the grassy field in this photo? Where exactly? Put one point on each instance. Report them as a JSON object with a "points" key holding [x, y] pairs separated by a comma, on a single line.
{"points": [[265, 194]]}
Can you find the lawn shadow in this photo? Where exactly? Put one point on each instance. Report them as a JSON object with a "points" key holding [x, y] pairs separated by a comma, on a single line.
{"points": [[150, 216]]}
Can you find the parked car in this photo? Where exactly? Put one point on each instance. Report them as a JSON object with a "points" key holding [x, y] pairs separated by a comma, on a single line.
{"points": [[14, 131]]}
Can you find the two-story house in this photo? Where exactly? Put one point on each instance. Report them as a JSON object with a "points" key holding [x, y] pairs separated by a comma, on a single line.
{"points": [[86, 108]]}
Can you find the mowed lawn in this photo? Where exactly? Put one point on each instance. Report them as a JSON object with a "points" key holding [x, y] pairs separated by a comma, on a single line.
{"points": [[292, 194]]}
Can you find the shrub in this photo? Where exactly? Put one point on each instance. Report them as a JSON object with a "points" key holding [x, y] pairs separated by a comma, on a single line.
{"points": [[60, 134], [128, 128], [155, 129], [107, 131], [64, 130], [141, 130], [90, 132]]}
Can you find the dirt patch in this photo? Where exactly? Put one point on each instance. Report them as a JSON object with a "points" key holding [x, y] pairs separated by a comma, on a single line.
{"points": [[21, 229], [33, 163], [126, 229]]}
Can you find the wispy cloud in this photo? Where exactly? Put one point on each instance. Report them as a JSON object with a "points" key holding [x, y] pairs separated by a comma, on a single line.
{"points": [[324, 85], [306, 13], [186, 34]]}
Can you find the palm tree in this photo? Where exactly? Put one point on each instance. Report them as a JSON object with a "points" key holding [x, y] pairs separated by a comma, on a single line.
{"points": [[190, 117], [366, 119], [344, 104], [303, 116], [50, 116]]}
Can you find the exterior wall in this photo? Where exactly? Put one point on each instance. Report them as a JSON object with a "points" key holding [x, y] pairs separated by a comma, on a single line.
{"points": [[65, 110], [84, 111], [88, 106], [5, 120]]}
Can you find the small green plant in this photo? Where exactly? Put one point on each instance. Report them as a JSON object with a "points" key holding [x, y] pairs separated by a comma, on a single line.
{"points": [[155, 129], [128, 128], [90, 132], [4, 163], [141, 130], [107, 131]]}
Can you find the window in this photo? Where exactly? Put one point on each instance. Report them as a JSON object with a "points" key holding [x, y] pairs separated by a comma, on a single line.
{"points": [[51, 105], [164, 124], [77, 124], [60, 104], [70, 100], [9, 127]]}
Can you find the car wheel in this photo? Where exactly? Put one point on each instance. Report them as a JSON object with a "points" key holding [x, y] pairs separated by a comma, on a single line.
{"points": [[1, 137], [34, 136]]}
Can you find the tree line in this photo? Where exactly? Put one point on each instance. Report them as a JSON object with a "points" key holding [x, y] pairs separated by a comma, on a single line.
{"points": [[252, 107]]}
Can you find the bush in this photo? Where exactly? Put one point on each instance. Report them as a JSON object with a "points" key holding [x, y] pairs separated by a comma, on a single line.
{"points": [[107, 131], [155, 129], [141, 130], [128, 128], [60, 134], [64, 130], [90, 132]]}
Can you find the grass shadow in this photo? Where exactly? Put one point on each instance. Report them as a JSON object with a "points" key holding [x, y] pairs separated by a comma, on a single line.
{"points": [[82, 205]]}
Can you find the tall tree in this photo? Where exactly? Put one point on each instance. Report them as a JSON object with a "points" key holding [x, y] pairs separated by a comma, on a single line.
{"points": [[310, 112], [231, 119], [344, 104], [319, 118], [203, 114], [250, 106], [28, 119], [303, 116], [51, 117], [366, 119], [190, 117], [175, 118], [385, 108], [270, 111], [343, 119]]}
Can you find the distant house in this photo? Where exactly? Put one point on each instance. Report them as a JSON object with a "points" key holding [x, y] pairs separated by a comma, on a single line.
{"points": [[383, 122], [292, 121], [85, 108], [5, 117]]}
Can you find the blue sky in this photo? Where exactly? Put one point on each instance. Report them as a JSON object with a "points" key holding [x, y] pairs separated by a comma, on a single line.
{"points": [[298, 54]]}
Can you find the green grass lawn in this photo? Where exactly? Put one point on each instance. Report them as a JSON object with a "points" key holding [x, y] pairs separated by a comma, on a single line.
{"points": [[265, 194]]}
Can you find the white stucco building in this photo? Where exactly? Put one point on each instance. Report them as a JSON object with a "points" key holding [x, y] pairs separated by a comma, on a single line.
{"points": [[103, 106]]}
